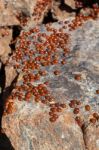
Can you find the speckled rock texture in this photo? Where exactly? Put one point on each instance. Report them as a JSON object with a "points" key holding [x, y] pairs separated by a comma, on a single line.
{"points": [[5, 50], [27, 125], [19, 12], [32, 130], [10, 75], [5, 38], [62, 11], [91, 136]]}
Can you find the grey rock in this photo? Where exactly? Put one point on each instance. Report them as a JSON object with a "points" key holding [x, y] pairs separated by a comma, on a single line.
{"points": [[91, 136], [28, 126], [32, 130]]}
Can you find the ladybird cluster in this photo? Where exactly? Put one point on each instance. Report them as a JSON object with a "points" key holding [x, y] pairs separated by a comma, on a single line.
{"points": [[76, 106], [23, 19], [38, 49], [85, 3], [80, 19], [40, 7]]}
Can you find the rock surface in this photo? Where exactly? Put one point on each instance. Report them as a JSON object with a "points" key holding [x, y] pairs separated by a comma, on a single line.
{"points": [[10, 75], [18, 12], [27, 125], [5, 38], [91, 136], [5, 50], [62, 11], [32, 130]]}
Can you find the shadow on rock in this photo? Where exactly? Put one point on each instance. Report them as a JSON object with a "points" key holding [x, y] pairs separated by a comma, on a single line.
{"points": [[5, 143]]}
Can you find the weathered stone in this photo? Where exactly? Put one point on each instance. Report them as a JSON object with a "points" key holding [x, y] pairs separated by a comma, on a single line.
{"points": [[70, 3], [91, 136], [5, 38], [7, 15], [39, 133], [10, 75], [28, 127], [64, 12], [19, 12]]}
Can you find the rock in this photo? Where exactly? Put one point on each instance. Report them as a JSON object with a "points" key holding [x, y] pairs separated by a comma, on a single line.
{"points": [[61, 11], [5, 38], [71, 79], [19, 12], [39, 133], [39, 11], [7, 16], [91, 137], [70, 3], [10, 75]]}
